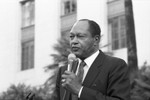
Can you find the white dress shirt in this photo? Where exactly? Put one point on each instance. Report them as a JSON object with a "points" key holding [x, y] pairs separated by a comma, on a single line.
{"points": [[86, 68]]}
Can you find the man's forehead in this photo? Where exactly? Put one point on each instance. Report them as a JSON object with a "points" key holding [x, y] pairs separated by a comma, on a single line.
{"points": [[81, 22], [80, 25]]}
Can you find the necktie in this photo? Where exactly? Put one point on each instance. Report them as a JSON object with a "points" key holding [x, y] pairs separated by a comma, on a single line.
{"points": [[81, 71], [80, 76]]}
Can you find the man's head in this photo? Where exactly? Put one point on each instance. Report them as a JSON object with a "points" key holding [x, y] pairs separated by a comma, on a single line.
{"points": [[84, 38]]}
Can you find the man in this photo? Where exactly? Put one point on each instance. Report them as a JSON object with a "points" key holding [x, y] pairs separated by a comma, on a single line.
{"points": [[104, 77]]}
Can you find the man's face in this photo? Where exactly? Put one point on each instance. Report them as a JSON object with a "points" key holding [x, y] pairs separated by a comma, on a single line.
{"points": [[81, 40]]}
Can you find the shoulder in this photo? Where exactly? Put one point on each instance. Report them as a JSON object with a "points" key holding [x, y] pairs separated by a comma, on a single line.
{"points": [[113, 63], [117, 65], [115, 60], [110, 59]]}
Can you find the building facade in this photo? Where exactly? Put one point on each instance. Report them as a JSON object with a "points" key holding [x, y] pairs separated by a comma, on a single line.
{"points": [[30, 29]]}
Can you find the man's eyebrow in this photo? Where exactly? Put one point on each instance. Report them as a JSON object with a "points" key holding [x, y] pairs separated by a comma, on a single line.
{"points": [[71, 32]]}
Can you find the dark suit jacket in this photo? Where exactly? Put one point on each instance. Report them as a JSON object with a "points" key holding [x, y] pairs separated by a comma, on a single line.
{"points": [[107, 79]]}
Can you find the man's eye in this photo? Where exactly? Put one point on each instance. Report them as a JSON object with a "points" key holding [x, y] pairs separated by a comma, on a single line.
{"points": [[71, 36], [80, 36]]}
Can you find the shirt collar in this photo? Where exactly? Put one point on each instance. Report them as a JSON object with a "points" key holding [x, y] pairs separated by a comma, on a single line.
{"points": [[91, 58]]}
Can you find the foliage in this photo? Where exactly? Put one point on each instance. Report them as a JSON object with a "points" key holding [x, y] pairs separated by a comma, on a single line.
{"points": [[63, 49], [20, 92], [141, 84], [15, 92]]}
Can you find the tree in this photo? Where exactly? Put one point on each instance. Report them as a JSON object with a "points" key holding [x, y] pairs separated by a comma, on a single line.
{"points": [[131, 39], [24, 92], [63, 49], [140, 87]]}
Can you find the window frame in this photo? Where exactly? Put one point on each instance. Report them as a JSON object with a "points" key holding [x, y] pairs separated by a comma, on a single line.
{"points": [[28, 13], [27, 36], [120, 29], [27, 55], [71, 9]]}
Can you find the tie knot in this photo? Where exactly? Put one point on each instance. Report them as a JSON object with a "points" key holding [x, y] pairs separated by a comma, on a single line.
{"points": [[82, 63]]}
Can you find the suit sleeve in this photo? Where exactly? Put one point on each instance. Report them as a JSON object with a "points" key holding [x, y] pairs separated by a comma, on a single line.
{"points": [[118, 87]]}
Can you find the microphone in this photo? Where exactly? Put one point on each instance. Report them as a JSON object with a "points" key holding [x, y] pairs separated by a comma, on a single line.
{"points": [[71, 59]]}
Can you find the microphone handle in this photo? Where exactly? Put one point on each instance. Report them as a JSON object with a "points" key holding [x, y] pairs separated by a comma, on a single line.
{"points": [[70, 65]]}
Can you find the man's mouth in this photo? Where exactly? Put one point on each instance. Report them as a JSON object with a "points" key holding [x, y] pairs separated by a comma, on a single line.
{"points": [[75, 48]]}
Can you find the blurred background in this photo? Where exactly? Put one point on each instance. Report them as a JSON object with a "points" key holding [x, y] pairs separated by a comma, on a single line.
{"points": [[31, 31]]}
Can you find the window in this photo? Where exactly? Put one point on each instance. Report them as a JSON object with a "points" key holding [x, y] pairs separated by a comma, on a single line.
{"points": [[27, 35], [116, 24], [118, 32], [68, 7], [27, 55], [111, 0], [27, 13]]}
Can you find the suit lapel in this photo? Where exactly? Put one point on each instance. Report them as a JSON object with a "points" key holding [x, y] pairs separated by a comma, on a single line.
{"points": [[94, 69]]}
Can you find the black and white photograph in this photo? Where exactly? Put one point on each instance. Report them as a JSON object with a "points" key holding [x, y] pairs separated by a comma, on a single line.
{"points": [[74, 50]]}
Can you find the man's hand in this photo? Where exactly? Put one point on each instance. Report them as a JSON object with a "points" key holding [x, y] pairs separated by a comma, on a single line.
{"points": [[71, 82]]}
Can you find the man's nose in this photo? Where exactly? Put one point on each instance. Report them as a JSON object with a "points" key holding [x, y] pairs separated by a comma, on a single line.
{"points": [[74, 41]]}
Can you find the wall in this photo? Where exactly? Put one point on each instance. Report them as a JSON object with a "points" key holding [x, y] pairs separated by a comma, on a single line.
{"points": [[141, 10], [47, 31], [9, 41]]}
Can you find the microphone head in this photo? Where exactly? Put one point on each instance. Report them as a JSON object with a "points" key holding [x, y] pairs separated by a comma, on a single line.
{"points": [[71, 57]]}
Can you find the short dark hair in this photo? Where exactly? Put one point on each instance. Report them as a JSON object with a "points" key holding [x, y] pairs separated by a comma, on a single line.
{"points": [[94, 28]]}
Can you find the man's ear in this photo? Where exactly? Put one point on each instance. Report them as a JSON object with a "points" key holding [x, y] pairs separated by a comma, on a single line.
{"points": [[97, 38]]}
